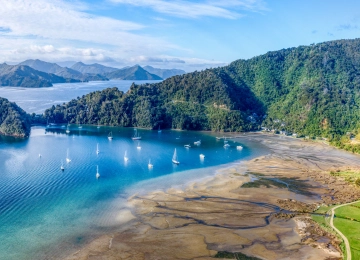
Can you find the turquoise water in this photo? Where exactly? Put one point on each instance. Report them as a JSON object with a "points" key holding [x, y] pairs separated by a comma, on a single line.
{"points": [[36, 100], [45, 212]]}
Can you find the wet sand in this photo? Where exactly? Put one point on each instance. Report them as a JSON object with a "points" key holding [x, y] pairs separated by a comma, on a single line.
{"points": [[218, 214]]}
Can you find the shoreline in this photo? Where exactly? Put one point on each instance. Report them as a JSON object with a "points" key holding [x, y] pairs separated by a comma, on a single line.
{"points": [[217, 214]]}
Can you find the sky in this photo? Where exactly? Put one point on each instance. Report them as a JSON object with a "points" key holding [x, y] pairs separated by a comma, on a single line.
{"points": [[183, 34]]}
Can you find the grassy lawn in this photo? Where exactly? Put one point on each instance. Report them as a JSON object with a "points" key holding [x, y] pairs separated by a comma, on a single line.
{"points": [[347, 220]]}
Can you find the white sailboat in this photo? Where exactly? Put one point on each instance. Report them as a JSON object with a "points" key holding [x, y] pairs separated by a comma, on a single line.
{"points": [[136, 135], [197, 142], [67, 129], [67, 156], [159, 130], [149, 164], [202, 156], [110, 137], [187, 146], [138, 146], [97, 172], [175, 158], [126, 157], [97, 148], [226, 145], [239, 147], [62, 166]]}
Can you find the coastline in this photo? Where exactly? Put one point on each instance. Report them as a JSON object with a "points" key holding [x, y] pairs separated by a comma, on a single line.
{"points": [[216, 214]]}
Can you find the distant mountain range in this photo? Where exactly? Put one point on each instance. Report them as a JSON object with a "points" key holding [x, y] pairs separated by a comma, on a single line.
{"points": [[27, 77], [164, 73], [37, 73], [62, 71], [133, 73], [92, 68]]}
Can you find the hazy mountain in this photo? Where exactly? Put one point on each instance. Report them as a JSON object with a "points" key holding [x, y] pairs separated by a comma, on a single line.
{"points": [[92, 68], [24, 76], [164, 73], [60, 71], [132, 73]]}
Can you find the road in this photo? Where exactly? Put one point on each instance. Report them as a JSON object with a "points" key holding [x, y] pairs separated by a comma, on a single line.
{"points": [[346, 241]]}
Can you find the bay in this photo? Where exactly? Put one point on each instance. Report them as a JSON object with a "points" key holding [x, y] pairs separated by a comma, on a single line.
{"points": [[45, 213]]}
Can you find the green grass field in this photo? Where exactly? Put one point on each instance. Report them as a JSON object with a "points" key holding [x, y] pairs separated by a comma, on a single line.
{"points": [[347, 220]]}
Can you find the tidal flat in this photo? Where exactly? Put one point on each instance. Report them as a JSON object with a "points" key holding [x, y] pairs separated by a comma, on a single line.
{"points": [[222, 214]]}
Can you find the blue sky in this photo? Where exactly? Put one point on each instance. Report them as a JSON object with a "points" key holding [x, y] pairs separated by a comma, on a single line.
{"points": [[190, 35]]}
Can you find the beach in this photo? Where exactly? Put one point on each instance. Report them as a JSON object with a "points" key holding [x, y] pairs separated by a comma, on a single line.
{"points": [[258, 207]]}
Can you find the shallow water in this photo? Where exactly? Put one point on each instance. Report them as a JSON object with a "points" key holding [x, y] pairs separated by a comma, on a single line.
{"points": [[45, 211]]}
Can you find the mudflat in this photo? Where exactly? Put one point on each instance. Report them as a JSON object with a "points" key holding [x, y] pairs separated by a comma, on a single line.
{"points": [[260, 208]]}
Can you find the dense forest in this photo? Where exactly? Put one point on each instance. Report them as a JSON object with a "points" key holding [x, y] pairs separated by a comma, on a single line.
{"points": [[13, 120], [309, 90]]}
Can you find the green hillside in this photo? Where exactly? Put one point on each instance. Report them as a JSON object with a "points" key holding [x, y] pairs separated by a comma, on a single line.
{"points": [[309, 90], [13, 120]]}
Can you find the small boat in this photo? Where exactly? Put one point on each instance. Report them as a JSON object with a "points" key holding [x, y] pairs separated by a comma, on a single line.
{"points": [[110, 137], [98, 126], [197, 142], [226, 145], [138, 146], [187, 145], [97, 172], [67, 156], [62, 166], [67, 129], [159, 130], [125, 157], [218, 138], [97, 148], [175, 158], [80, 126], [136, 135], [150, 165], [239, 147], [39, 155], [202, 156]]}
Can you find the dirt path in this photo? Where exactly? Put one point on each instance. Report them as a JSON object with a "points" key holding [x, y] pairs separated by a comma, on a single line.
{"points": [[346, 241]]}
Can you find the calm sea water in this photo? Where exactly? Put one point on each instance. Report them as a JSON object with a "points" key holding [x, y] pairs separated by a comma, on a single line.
{"points": [[45, 213], [36, 100]]}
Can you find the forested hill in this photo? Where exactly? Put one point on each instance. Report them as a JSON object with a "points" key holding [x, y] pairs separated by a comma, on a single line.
{"points": [[311, 90], [13, 120]]}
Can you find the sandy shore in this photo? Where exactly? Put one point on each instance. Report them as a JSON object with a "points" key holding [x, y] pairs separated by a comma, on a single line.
{"points": [[220, 214]]}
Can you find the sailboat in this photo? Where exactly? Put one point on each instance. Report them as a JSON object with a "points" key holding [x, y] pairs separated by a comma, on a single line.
{"points": [[67, 129], [67, 156], [98, 126], [159, 130], [110, 137], [197, 142], [202, 156], [97, 172], [138, 146], [226, 145], [149, 164], [125, 157], [62, 166], [175, 158], [136, 135], [97, 148]]}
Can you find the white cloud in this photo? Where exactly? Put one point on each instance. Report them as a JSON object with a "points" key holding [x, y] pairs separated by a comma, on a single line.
{"points": [[26, 25], [182, 8]]}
